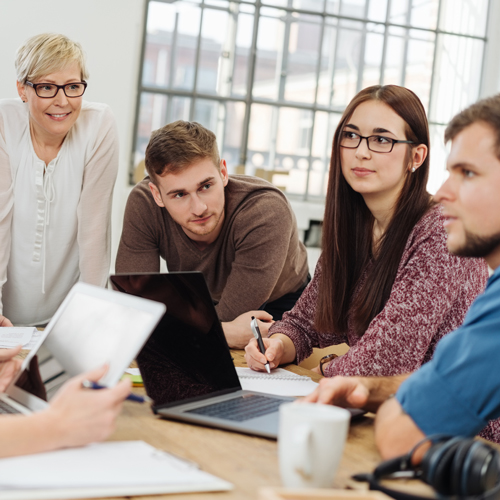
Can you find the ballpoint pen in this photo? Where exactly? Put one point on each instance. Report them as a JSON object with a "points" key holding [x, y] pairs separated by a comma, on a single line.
{"points": [[131, 397], [256, 333]]}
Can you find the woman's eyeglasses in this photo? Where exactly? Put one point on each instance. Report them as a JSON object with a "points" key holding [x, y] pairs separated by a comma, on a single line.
{"points": [[375, 143], [49, 90]]}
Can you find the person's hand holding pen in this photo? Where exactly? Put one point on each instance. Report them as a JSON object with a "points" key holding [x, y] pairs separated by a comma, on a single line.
{"points": [[279, 349], [88, 384], [77, 416]]}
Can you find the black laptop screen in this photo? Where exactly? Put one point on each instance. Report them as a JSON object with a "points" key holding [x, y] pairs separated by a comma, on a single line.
{"points": [[187, 354]]}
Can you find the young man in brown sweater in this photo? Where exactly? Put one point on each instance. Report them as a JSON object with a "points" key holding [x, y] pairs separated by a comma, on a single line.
{"points": [[240, 231]]}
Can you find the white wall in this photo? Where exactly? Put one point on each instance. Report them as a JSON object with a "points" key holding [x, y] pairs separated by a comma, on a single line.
{"points": [[110, 32]]}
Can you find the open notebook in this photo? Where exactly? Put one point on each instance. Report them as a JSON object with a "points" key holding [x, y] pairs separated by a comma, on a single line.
{"points": [[279, 382]]}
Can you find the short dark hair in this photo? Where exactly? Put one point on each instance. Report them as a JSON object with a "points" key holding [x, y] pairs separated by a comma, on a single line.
{"points": [[177, 145], [486, 111]]}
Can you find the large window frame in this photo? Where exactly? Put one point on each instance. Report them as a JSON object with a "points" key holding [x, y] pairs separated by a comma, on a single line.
{"points": [[437, 118]]}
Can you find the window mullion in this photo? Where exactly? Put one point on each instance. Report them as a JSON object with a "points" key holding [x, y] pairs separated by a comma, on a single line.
{"points": [[196, 65], [250, 80], [384, 46], [407, 41]]}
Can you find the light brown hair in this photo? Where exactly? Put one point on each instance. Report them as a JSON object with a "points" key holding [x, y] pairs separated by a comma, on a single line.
{"points": [[176, 146], [486, 110], [348, 224]]}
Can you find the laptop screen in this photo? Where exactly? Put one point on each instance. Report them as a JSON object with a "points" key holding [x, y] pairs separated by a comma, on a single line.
{"points": [[187, 354], [91, 328]]}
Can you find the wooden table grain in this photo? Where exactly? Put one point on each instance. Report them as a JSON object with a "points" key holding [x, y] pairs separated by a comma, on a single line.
{"points": [[249, 463]]}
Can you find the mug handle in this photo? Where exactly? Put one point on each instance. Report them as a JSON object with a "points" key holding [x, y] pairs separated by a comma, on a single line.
{"points": [[302, 439]]}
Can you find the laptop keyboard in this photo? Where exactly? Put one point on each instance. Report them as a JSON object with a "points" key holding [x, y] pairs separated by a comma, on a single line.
{"points": [[241, 409], [6, 408]]}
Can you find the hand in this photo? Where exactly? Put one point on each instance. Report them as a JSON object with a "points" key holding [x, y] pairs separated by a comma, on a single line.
{"points": [[81, 416], [352, 392], [9, 367], [275, 349], [238, 331], [4, 321]]}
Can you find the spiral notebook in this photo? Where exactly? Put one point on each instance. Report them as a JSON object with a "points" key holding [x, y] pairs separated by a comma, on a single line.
{"points": [[279, 382]]}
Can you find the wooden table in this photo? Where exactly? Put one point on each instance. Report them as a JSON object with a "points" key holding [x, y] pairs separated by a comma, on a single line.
{"points": [[248, 462]]}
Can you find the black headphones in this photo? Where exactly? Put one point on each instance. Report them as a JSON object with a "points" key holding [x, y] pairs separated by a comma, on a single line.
{"points": [[458, 467]]}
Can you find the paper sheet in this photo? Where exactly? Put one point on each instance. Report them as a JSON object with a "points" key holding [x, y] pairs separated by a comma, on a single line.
{"points": [[280, 382], [104, 465], [133, 371], [37, 335], [12, 336]]}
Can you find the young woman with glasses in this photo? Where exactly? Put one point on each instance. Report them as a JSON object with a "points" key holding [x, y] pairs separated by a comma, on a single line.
{"points": [[58, 165], [385, 284]]}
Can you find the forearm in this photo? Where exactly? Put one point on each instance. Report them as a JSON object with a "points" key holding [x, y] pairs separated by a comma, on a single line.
{"points": [[231, 332], [27, 434], [395, 431]]}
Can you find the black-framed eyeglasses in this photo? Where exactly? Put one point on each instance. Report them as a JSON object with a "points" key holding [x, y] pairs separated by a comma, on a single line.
{"points": [[375, 143], [49, 90]]}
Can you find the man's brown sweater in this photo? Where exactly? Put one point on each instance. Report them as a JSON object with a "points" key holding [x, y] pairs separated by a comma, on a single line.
{"points": [[256, 258]]}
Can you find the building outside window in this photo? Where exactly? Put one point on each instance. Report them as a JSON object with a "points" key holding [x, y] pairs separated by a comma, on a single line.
{"points": [[272, 78]]}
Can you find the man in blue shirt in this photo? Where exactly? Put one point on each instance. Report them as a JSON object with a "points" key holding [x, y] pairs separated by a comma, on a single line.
{"points": [[458, 391]]}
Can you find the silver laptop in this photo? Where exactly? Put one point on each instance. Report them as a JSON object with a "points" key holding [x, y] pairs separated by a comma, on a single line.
{"points": [[186, 364], [92, 326]]}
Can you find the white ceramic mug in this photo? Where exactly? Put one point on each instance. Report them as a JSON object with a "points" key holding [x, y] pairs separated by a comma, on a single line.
{"points": [[310, 443]]}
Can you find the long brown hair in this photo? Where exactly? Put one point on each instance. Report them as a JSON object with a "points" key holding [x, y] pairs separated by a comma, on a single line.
{"points": [[348, 224]]}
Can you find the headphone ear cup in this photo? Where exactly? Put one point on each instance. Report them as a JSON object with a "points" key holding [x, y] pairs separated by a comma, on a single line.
{"points": [[437, 465], [480, 471], [458, 478]]}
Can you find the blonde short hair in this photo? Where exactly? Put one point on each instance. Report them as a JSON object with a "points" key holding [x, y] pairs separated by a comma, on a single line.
{"points": [[47, 53]]}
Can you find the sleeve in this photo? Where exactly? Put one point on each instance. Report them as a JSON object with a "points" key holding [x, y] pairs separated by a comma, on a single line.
{"points": [[139, 243], [298, 324], [458, 391], [6, 207], [264, 227], [94, 207], [424, 293]]}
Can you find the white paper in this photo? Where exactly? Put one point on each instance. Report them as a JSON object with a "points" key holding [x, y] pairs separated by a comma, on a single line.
{"points": [[133, 371], [12, 336], [37, 335], [103, 465], [279, 382]]}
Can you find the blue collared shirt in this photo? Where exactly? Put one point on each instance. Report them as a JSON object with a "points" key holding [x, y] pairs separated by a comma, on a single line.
{"points": [[458, 391]]}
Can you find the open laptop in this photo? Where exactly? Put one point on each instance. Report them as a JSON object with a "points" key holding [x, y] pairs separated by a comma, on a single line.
{"points": [[92, 326], [186, 364]]}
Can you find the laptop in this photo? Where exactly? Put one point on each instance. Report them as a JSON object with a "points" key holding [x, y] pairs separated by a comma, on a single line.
{"points": [[186, 364], [92, 326]]}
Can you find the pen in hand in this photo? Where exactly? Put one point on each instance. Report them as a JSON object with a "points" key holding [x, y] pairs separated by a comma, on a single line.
{"points": [[256, 333], [87, 384]]}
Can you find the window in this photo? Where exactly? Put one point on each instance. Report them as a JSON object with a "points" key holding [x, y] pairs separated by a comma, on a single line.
{"points": [[272, 78]]}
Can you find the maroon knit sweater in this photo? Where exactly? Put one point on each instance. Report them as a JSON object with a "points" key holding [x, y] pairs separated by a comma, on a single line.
{"points": [[430, 297]]}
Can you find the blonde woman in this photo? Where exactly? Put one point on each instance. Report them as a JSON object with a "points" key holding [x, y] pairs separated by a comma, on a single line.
{"points": [[58, 166]]}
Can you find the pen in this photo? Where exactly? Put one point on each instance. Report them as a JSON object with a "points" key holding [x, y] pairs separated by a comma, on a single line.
{"points": [[256, 333], [131, 397]]}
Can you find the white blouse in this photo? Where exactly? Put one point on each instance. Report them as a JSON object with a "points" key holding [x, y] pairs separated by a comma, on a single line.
{"points": [[55, 227]]}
